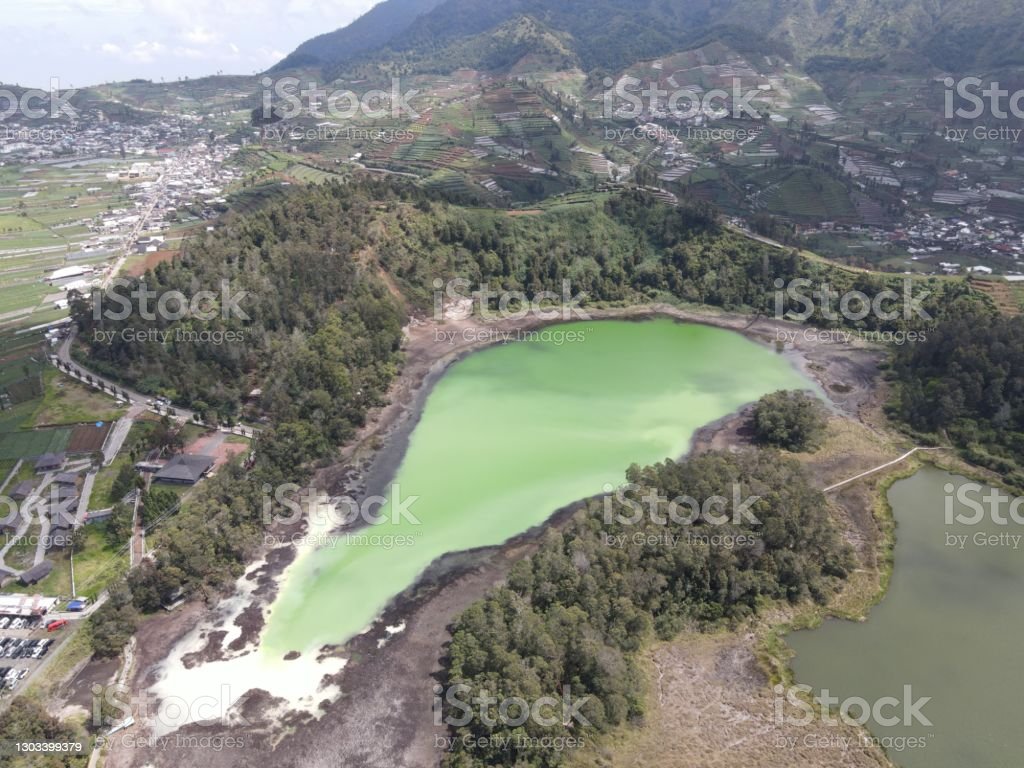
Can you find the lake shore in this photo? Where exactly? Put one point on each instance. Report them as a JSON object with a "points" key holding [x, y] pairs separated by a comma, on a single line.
{"points": [[386, 664]]}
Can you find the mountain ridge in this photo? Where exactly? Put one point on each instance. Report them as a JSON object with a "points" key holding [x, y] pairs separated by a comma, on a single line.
{"points": [[405, 35]]}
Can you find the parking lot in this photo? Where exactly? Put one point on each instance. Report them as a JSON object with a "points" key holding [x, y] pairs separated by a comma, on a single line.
{"points": [[24, 643]]}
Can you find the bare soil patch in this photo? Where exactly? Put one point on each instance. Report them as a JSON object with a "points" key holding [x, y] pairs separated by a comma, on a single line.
{"points": [[140, 267]]}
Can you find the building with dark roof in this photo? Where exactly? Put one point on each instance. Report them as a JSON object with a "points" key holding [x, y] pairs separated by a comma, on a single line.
{"points": [[22, 490], [36, 573], [184, 469], [62, 523], [62, 492], [66, 478], [50, 462]]}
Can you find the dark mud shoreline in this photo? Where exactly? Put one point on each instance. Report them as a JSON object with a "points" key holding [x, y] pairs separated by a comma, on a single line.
{"points": [[384, 716]]}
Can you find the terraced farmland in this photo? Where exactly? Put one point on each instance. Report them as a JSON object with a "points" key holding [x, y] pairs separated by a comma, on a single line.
{"points": [[803, 194]]}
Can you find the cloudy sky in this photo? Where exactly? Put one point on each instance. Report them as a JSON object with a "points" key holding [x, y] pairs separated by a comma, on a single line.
{"points": [[85, 42]]}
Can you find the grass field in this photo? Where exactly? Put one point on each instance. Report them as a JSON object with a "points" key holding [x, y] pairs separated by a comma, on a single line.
{"points": [[65, 401], [100, 498], [97, 564]]}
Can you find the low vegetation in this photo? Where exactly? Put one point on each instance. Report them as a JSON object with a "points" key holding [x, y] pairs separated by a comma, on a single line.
{"points": [[27, 720]]}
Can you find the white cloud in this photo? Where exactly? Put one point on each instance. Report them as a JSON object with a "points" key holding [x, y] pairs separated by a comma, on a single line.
{"points": [[158, 38], [146, 51], [201, 36]]}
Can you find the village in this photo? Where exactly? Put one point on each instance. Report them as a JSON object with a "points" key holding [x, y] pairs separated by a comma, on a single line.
{"points": [[79, 499]]}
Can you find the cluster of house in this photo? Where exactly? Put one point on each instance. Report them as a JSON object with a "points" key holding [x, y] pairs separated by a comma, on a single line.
{"points": [[193, 175], [57, 504], [927, 238], [90, 134], [196, 173], [60, 498], [984, 237]]}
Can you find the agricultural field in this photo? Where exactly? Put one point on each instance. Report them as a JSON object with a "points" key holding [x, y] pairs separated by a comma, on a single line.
{"points": [[33, 442], [44, 410], [46, 211], [804, 194], [226, 97]]}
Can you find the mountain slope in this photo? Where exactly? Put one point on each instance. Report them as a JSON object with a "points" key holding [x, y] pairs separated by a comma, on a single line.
{"points": [[369, 32], [500, 48], [608, 34]]}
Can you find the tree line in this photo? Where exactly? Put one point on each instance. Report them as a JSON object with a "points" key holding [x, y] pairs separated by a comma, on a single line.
{"points": [[577, 612]]}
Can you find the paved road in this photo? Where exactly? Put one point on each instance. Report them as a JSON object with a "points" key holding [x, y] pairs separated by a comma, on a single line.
{"points": [[12, 473], [135, 398], [156, 195], [138, 545], [116, 439], [83, 499], [138, 401], [44, 532], [26, 521]]}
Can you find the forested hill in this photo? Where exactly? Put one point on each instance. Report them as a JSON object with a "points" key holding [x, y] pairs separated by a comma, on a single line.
{"points": [[610, 34], [325, 277], [319, 330], [369, 32]]}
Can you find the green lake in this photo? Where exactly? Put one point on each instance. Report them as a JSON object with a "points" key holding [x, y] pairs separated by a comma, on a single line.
{"points": [[950, 627], [514, 432]]}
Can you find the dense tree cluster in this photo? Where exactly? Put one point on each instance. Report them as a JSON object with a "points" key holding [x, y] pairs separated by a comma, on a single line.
{"points": [[113, 623], [26, 719], [575, 613], [292, 312], [966, 382], [793, 421]]}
